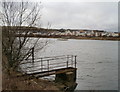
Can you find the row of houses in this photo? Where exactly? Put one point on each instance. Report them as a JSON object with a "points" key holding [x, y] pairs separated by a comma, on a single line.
{"points": [[74, 32], [90, 33], [64, 32]]}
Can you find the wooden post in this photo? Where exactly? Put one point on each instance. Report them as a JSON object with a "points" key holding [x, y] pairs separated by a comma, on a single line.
{"points": [[72, 60], [33, 55], [41, 65], [75, 61], [48, 64], [67, 60]]}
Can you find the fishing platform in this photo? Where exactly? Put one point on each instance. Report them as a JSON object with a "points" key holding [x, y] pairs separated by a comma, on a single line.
{"points": [[46, 66]]}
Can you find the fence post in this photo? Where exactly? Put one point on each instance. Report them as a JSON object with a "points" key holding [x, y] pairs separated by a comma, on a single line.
{"points": [[41, 64], [67, 60], [33, 55], [72, 60], [75, 61], [48, 64]]}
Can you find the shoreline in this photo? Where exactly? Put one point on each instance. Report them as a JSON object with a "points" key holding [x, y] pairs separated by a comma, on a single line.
{"points": [[98, 38], [74, 37]]}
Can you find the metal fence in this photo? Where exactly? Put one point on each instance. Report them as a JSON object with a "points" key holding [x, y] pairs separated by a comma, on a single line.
{"points": [[48, 63]]}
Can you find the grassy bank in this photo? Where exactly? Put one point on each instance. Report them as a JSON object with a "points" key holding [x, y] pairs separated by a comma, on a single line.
{"points": [[13, 82]]}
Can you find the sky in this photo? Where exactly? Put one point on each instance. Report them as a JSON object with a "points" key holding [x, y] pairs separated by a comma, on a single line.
{"points": [[80, 15]]}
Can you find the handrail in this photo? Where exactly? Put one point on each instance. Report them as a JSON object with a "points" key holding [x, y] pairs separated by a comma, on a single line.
{"points": [[43, 60], [46, 59], [48, 63], [51, 57]]}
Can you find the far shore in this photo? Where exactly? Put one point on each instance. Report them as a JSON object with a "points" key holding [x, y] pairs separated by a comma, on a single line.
{"points": [[98, 38], [74, 37]]}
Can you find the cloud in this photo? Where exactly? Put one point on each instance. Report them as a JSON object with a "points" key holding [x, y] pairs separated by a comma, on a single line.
{"points": [[81, 15]]}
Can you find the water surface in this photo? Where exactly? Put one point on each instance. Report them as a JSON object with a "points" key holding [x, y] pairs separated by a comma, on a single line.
{"points": [[97, 61]]}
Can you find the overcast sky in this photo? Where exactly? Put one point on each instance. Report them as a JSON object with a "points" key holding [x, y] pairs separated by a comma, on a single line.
{"points": [[81, 15]]}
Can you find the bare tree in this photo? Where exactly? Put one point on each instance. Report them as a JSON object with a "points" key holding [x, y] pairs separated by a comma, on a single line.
{"points": [[16, 15]]}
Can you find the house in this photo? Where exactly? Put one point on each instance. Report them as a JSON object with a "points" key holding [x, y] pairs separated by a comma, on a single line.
{"points": [[68, 32], [109, 34], [104, 34], [62, 33], [99, 33], [77, 33], [115, 34], [89, 34]]}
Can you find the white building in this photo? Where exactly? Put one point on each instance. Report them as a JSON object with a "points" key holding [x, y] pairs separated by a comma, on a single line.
{"points": [[115, 34], [68, 33]]}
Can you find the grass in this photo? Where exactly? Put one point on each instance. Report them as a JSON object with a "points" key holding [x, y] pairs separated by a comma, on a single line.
{"points": [[13, 82]]}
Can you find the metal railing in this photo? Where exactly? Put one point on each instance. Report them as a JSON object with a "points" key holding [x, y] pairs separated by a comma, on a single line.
{"points": [[49, 63]]}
